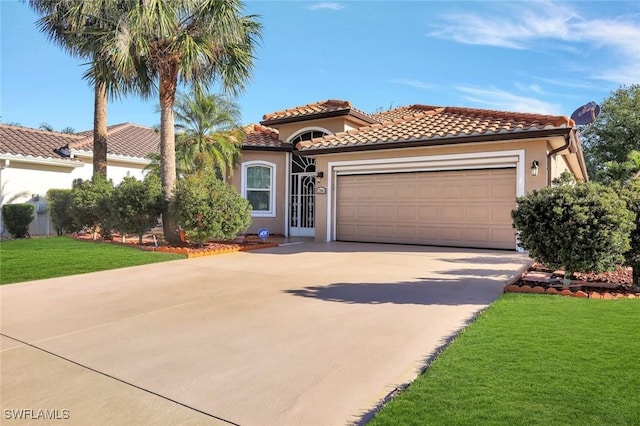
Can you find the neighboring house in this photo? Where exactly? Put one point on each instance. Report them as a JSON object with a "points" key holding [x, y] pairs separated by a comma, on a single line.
{"points": [[417, 175], [33, 161]]}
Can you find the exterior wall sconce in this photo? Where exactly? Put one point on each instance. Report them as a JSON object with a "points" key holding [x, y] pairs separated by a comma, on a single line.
{"points": [[320, 175], [535, 167]]}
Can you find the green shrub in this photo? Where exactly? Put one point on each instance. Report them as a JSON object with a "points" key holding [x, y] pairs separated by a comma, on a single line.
{"points": [[91, 204], [583, 228], [59, 208], [137, 205], [17, 218], [631, 194], [207, 208]]}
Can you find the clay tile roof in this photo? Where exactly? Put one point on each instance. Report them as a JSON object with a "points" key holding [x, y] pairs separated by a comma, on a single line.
{"points": [[401, 112], [258, 136], [323, 108], [33, 143], [423, 124], [126, 139]]}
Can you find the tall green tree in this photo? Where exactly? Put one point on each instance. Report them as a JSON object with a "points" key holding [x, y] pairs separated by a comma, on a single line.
{"points": [[81, 28], [191, 42], [616, 131], [208, 132]]}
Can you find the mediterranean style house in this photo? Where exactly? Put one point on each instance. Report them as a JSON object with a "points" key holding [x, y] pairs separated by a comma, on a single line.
{"points": [[417, 174]]}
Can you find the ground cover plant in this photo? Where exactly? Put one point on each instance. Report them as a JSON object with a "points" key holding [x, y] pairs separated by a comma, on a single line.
{"points": [[532, 359], [38, 258]]}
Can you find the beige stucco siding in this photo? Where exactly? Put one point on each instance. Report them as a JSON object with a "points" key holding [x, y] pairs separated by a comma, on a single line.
{"points": [[276, 223], [333, 125], [558, 166]]}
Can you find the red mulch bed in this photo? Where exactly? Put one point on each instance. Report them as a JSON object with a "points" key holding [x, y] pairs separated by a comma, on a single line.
{"points": [[187, 249], [607, 285]]}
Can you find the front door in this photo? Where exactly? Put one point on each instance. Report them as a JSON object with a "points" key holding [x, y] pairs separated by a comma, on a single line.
{"points": [[303, 197]]}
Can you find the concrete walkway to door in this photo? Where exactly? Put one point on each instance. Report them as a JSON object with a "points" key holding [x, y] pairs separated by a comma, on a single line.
{"points": [[301, 334]]}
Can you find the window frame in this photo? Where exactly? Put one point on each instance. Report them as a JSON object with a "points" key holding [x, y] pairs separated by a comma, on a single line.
{"points": [[272, 196]]}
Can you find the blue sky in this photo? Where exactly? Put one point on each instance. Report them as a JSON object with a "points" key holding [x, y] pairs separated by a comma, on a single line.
{"points": [[529, 56]]}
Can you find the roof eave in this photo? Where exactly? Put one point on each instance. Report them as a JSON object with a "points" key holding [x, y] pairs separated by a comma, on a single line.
{"points": [[495, 137], [284, 148]]}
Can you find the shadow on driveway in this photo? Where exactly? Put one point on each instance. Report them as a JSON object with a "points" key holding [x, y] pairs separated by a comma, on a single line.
{"points": [[424, 292]]}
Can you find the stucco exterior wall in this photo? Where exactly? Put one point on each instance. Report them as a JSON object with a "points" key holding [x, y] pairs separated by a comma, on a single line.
{"points": [[558, 166], [277, 223], [333, 125], [23, 182]]}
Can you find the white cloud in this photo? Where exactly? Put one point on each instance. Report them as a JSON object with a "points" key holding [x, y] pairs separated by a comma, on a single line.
{"points": [[327, 5], [522, 25], [499, 99], [414, 83]]}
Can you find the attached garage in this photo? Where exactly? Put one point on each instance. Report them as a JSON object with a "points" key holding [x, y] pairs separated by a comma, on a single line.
{"points": [[463, 208]]}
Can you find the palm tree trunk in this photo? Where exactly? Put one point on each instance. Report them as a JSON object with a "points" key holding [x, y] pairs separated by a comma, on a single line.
{"points": [[168, 83], [100, 130]]}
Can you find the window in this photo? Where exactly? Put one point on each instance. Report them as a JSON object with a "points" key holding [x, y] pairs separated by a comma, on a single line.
{"points": [[258, 187]]}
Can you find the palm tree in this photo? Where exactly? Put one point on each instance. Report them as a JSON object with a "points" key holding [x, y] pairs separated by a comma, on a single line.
{"points": [[208, 132], [80, 28], [46, 126], [185, 42]]}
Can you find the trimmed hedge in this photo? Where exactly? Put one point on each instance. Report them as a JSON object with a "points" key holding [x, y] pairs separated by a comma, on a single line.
{"points": [[582, 227], [17, 218]]}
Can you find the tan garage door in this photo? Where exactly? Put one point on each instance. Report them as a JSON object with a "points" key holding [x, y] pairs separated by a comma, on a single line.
{"points": [[469, 208]]}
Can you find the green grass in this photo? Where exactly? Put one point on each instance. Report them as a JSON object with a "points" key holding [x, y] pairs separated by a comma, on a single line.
{"points": [[533, 360], [38, 258]]}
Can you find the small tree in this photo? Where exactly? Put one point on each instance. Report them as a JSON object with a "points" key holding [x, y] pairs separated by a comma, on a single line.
{"points": [[90, 204], [631, 194], [576, 228], [137, 205], [59, 201], [207, 208], [17, 218]]}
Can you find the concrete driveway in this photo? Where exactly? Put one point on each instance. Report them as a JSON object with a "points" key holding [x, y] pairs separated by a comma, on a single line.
{"points": [[302, 334]]}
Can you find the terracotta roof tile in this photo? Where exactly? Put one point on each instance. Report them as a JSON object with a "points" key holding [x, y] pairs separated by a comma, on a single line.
{"points": [[421, 123], [126, 139], [129, 140], [318, 108], [33, 143], [402, 112], [259, 136]]}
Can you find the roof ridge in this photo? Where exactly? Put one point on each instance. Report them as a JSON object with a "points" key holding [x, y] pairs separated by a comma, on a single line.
{"points": [[329, 102], [32, 129], [556, 120]]}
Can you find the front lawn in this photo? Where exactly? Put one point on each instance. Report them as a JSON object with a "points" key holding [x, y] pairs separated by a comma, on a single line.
{"points": [[38, 258], [533, 359]]}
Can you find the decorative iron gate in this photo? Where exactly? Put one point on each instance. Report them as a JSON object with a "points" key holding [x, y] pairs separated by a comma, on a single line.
{"points": [[303, 197]]}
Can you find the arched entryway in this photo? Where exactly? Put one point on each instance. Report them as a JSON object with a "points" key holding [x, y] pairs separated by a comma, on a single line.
{"points": [[302, 189]]}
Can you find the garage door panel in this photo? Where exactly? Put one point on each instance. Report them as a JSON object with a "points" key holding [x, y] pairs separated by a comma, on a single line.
{"points": [[477, 235], [407, 192], [406, 232], [452, 235], [457, 208], [479, 214], [384, 213], [385, 192], [406, 213], [428, 213], [452, 213]]}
